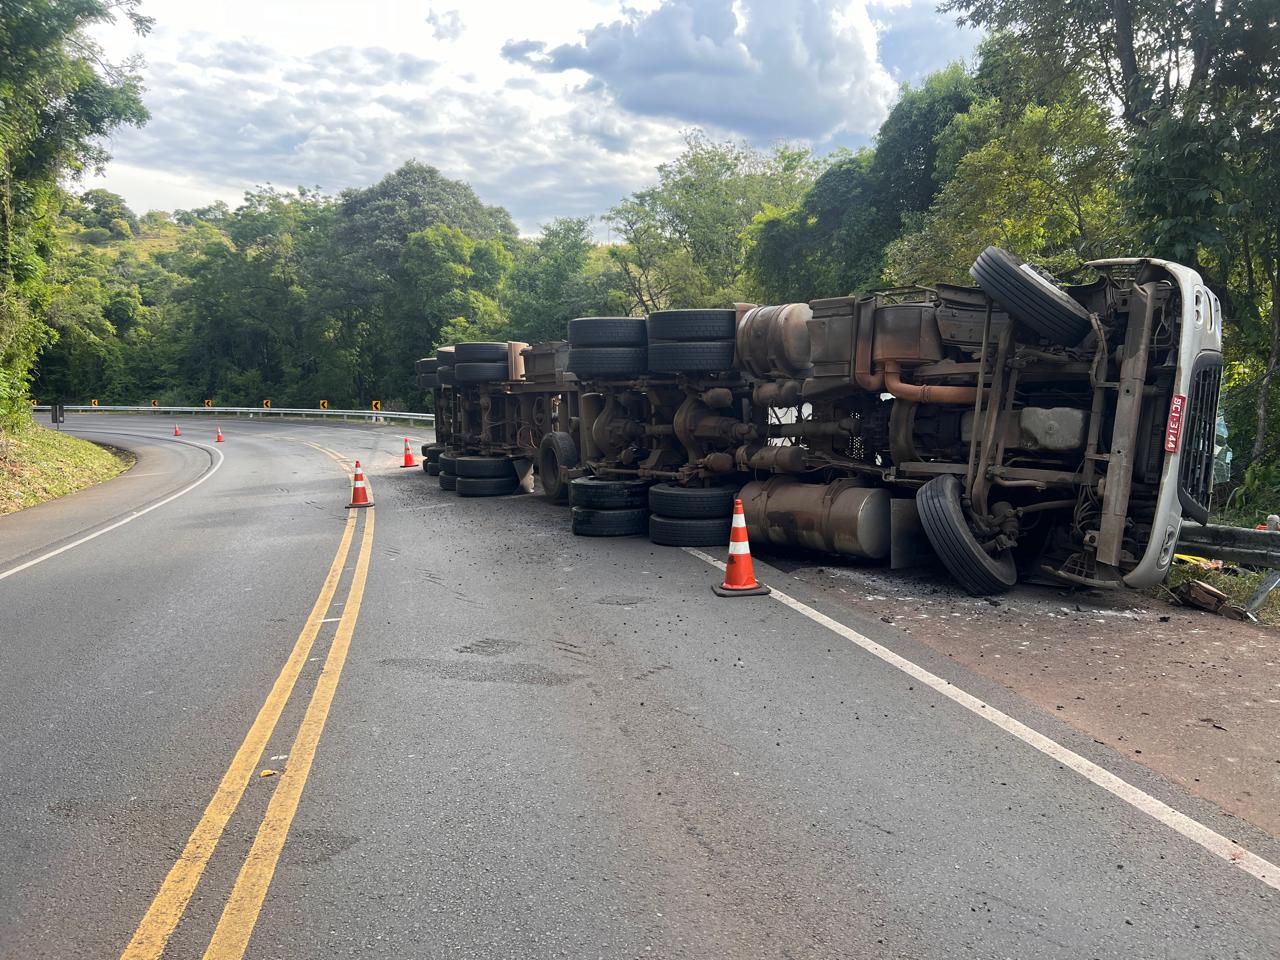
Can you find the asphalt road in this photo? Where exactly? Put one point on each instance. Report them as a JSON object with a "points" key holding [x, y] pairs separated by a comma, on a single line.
{"points": [[524, 744]]}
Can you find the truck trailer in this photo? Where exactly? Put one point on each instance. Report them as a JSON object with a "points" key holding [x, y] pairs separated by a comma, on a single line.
{"points": [[1025, 427]]}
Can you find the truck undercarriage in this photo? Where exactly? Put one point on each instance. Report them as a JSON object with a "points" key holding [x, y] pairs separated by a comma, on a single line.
{"points": [[1024, 427]]}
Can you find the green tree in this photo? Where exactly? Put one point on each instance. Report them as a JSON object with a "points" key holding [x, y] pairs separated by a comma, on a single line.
{"points": [[102, 208], [828, 244], [455, 281], [684, 241], [832, 241], [559, 276], [58, 98], [904, 168], [1045, 185]]}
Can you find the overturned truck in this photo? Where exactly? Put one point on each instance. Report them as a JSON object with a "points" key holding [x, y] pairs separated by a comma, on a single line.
{"points": [[1025, 427]]}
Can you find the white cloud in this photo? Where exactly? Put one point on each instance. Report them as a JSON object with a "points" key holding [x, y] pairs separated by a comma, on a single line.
{"points": [[763, 68], [323, 93], [447, 25]]}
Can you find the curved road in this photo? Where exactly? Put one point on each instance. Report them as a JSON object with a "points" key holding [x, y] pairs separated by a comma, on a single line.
{"points": [[486, 738]]}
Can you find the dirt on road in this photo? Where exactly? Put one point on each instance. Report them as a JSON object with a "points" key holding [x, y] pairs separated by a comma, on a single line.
{"points": [[1192, 695]]}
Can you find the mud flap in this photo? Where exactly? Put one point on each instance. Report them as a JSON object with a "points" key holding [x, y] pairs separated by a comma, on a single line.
{"points": [[523, 467]]}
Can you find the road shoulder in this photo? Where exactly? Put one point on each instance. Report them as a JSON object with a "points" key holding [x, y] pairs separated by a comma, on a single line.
{"points": [[1191, 696], [162, 467]]}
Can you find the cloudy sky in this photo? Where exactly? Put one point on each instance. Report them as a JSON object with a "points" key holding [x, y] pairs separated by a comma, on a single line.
{"points": [[550, 109]]}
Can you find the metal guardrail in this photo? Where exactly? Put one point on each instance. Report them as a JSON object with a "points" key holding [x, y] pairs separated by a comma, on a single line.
{"points": [[1259, 548], [374, 416]]}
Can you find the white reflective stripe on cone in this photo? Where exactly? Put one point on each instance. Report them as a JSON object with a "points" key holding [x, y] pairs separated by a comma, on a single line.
{"points": [[739, 520], [738, 547]]}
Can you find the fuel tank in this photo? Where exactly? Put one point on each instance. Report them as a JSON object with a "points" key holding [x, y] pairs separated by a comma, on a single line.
{"points": [[840, 517]]}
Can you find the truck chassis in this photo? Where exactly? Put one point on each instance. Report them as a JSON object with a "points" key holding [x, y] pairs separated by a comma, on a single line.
{"points": [[1024, 427]]}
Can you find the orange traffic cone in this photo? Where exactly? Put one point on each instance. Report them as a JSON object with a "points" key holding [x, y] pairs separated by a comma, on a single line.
{"points": [[219, 440], [359, 490], [177, 432], [408, 455], [739, 577]]}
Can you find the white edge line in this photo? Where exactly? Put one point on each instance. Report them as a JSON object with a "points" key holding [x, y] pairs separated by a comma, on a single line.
{"points": [[121, 522], [1193, 830]]}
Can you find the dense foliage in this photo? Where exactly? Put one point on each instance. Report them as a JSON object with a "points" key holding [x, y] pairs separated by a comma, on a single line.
{"points": [[58, 97], [1082, 130]]}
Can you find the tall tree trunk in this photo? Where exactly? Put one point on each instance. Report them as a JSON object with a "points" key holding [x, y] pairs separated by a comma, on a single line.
{"points": [[1132, 97], [1273, 359]]}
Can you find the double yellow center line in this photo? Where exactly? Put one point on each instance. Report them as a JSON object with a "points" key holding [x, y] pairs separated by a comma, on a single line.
{"points": [[231, 937]]}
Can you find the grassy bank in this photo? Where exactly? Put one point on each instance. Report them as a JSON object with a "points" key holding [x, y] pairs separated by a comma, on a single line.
{"points": [[38, 464]]}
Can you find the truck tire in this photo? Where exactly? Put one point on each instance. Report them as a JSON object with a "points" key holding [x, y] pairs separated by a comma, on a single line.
{"points": [[1038, 304], [487, 486], [480, 351], [608, 494], [477, 372], [685, 532], [692, 503], [943, 519], [556, 451], [430, 469], [447, 459], [426, 365], [444, 375], [481, 467], [428, 381], [607, 361], [589, 522], [607, 332], [687, 325], [448, 481], [431, 452], [702, 357]]}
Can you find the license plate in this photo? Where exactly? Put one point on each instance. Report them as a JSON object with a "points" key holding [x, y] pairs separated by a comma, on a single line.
{"points": [[1173, 430]]}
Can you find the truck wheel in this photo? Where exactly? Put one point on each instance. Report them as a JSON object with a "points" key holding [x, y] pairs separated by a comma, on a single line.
{"points": [[556, 452], [686, 532], [943, 519], [479, 372], [480, 351], [1038, 304], [693, 503], [474, 467], [447, 459], [607, 361], [428, 381], [431, 452], [702, 357], [589, 522], [430, 469], [686, 325], [426, 365], [448, 481], [607, 332], [487, 486], [608, 494], [445, 375]]}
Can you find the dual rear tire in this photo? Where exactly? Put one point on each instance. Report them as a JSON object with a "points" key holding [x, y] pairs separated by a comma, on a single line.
{"points": [[690, 516], [472, 476], [608, 508], [691, 341]]}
